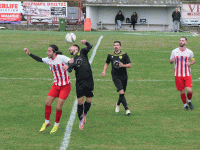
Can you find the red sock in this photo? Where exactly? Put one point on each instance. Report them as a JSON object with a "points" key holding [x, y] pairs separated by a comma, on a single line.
{"points": [[47, 112], [183, 97], [58, 115], [189, 96]]}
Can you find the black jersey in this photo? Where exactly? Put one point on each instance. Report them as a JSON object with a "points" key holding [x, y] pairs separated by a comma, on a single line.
{"points": [[118, 71], [81, 63]]}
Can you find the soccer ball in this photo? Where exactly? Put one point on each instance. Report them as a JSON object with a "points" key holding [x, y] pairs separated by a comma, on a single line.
{"points": [[70, 38]]}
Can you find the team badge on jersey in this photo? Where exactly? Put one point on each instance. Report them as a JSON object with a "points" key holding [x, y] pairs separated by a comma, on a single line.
{"points": [[116, 64], [79, 62]]}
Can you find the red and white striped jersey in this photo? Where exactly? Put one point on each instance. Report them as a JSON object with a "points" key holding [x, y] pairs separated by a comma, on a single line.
{"points": [[181, 58], [61, 77]]}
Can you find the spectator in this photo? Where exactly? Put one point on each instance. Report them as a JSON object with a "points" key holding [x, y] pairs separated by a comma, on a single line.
{"points": [[118, 20], [134, 20], [176, 20]]}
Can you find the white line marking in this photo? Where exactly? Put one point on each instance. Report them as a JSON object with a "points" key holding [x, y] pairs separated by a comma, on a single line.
{"points": [[130, 80], [69, 126], [95, 50]]}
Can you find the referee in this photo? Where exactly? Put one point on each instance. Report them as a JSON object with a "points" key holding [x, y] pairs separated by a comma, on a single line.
{"points": [[84, 79], [120, 61]]}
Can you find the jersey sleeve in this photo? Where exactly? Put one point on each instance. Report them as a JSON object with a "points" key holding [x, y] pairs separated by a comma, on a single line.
{"points": [[87, 48], [127, 60], [172, 55], [45, 60], [108, 59], [65, 59], [191, 55]]}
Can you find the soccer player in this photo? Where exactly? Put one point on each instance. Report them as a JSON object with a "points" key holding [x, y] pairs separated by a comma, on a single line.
{"points": [[61, 87], [84, 79], [120, 61], [181, 57]]}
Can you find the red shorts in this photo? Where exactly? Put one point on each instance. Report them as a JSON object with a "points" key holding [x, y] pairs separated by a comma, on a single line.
{"points": [[60, 91], [182, 82]]}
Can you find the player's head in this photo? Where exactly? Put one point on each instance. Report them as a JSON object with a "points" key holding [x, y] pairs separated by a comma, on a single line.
{"points": [[183, 41], [73, 49], [55, 49], [117, 45]]}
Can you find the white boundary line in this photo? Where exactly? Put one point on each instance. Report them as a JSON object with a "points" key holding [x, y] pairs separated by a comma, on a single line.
{"points": [[69, 126], [100, 80]]}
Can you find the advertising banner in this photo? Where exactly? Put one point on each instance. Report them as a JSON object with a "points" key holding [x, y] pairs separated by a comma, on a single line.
{"points": [[10, 12], [190, 11], [44, 12]]}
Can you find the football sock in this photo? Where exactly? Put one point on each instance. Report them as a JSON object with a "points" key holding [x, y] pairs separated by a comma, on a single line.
{"points": [[185, 104], [58, 115], [80, 111], [120, 100], [189, 101], [47, 112], [56, 124], [189, 96], [86, 107], [183, 97], [123, 100], [46, 121]]}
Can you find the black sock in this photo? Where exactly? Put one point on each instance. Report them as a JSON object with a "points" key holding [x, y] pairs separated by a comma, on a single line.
{"points": [[124, 101], [80, 111], [86, 107], [120, 100]]}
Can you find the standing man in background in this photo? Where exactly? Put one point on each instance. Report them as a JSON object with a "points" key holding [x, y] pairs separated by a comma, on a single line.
{"points": [[176, 16], [120, 61], [183, 78], [118, 20]]}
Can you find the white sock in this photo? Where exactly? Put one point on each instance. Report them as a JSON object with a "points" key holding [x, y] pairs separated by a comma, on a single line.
{"points": [[185, 104], [56, 124], [46, 121], [189, 101]]}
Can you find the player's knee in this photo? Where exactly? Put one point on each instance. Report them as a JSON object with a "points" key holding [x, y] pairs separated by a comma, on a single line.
{"points": [[47, 104], [89, 100], [189, 90], [58, 108]]}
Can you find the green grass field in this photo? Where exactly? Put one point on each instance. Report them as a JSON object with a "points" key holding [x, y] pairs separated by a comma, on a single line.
{"points": [[157, 121]]}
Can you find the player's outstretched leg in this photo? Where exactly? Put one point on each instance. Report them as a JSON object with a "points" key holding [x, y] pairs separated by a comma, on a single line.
{"points": [[125, 104], [183, 98], [117, 108], [80, 116], [87, 106], [56, 124], [47, 117], [189, 96]]}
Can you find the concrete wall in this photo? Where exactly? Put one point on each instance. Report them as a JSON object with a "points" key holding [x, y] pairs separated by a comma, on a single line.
{"points": [[93, 14], [153, 15]]}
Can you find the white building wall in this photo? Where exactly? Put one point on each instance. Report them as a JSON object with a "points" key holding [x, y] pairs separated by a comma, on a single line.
{"points": [[92, 13], [153, 15]]}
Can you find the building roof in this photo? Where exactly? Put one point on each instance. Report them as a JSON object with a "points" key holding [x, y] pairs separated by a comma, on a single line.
{"points": [[164, 3]]}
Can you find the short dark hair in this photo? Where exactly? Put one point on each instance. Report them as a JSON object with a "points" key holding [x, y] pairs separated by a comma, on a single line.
{"points": [[77, 46], [118, 42], [185, 38]]}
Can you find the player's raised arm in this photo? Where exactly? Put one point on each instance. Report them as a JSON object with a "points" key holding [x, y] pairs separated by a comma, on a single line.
{"points": [[88, 45], [104, 69], [39, 59]]}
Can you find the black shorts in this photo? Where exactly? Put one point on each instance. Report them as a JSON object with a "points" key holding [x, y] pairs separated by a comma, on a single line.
{"points": [[85, 87], [120, 84]]}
